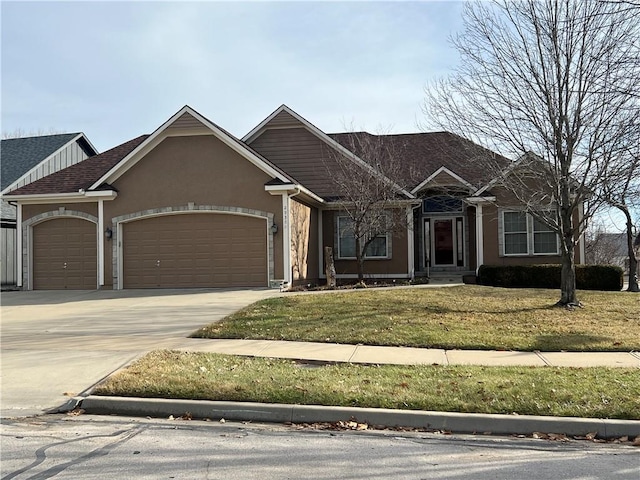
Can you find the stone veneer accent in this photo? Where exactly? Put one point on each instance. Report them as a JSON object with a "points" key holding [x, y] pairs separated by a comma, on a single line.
{"points": [[27, 229], [186, 209]]}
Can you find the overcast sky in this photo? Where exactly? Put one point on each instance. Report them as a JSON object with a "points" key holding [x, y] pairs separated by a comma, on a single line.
{"points": [[115, 70]]}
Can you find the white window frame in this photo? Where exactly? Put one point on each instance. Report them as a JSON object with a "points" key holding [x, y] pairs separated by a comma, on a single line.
{"points": [[504, 234], [386, 236], [531, 233]]}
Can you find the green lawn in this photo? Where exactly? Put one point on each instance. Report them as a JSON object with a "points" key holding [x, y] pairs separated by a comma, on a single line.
{"points": [[581, 392], [465, 317]]}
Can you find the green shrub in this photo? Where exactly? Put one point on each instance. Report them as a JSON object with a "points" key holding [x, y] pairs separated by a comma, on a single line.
{"points": [[588, 277]]}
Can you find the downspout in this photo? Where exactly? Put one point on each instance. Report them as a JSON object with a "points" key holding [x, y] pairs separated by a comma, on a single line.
{"points": [[100, 243], [19, 253]]}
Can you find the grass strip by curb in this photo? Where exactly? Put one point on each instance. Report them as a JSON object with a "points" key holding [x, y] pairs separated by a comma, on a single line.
{"points": [[579, 392], [465, 317]]}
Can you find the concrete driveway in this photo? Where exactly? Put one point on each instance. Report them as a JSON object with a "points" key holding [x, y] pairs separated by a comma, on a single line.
{"points": [[58, 344]]}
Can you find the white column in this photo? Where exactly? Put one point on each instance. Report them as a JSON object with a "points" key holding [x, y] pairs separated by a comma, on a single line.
{"points": [[100, 243], [321, 272], [410, 244], [286, 239], [479, 237], [19, 255]]}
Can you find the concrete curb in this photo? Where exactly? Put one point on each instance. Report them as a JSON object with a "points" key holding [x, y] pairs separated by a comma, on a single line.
{"points": [[282, 413]]}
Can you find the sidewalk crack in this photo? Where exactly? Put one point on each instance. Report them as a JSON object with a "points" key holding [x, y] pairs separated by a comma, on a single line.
{"points": [[353, 354], [541, 357]]}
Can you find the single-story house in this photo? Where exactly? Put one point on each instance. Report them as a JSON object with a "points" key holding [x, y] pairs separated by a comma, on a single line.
{"points": [[25, 160], [191, 205]]}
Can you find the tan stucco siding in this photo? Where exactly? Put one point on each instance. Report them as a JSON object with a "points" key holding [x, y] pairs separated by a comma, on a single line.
{"points": [[29, 211], [194, 169], [199, 169], [398, 264]]}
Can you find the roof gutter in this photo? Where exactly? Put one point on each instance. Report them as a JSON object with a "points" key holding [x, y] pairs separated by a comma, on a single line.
{"points": [[79, 196], [296, 189]]}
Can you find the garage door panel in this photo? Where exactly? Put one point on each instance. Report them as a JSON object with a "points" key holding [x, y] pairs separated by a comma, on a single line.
{"points": [[195, 250], [64, 254]]}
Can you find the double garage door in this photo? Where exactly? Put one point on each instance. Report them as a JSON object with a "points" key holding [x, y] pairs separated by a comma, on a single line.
{"points": [[172, 251], [195, 250]]}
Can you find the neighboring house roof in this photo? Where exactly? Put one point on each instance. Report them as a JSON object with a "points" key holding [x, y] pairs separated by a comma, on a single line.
{"points": [[423, 154], [81, 175], [20, 155]]}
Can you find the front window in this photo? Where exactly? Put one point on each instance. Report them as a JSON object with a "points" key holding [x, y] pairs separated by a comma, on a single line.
{"points": [[545, 240], [524, 234], [515, 233], [377, 248]]}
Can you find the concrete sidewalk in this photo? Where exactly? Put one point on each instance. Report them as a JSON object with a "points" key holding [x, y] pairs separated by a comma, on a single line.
{"points": [[332, 352]]}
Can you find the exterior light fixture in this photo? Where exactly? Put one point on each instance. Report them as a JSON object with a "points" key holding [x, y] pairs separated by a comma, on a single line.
{"points": [[108, 233], [274, 228]]}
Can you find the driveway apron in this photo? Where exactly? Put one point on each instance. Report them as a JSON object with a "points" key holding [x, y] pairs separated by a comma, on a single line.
{"points": [[58, 344]]}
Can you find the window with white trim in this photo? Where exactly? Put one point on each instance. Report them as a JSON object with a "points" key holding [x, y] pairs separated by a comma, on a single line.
{"points": [[515, 233], [524, 234], [378, 248]]}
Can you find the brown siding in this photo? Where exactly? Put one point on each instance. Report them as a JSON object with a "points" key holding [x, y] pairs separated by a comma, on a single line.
{"points": [[492, 248], [396, 265], [283, 119], [299, 153]]}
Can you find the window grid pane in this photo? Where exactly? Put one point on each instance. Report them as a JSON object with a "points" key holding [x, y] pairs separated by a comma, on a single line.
{"points": [[378, 247], [515, 243], [544, 239], [545, 242]]}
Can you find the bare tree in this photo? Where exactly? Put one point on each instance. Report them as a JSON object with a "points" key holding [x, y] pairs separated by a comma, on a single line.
{"points": [[20, 133], [621, 190], [368, 192], [555, 77]]}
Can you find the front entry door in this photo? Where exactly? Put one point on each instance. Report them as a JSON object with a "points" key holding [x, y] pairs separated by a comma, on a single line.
{"points": [[443, 242]]}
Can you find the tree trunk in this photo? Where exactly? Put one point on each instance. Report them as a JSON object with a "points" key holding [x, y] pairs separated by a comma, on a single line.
{"points": [[568, 281], [359, 260], [568, 296], [633, 260], [329, 267]]}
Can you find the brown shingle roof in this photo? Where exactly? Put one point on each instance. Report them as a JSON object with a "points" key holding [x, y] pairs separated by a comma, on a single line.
{"points": [[423, 154], [81, 175]]}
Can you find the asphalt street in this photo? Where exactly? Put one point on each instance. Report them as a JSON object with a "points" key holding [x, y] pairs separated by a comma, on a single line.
{"points": [[87, 447]]}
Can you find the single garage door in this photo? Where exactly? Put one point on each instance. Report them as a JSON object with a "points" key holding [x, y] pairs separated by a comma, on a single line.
{"points": [[65, 255], [195, 250]]}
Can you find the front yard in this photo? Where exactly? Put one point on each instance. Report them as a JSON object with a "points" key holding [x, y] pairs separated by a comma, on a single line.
{"points": [[468, 317], [465, 317], [576, 392]]}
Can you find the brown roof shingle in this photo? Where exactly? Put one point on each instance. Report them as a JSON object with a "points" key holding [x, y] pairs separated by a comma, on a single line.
{"points": [[422, 154], [81, 175]]}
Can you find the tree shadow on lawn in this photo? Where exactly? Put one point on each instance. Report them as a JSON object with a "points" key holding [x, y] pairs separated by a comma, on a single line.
{"points": [[574, 342]]}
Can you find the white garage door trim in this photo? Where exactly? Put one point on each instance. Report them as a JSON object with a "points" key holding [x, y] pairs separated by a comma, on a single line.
{"points": [[117, 222], [27, 234]]}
